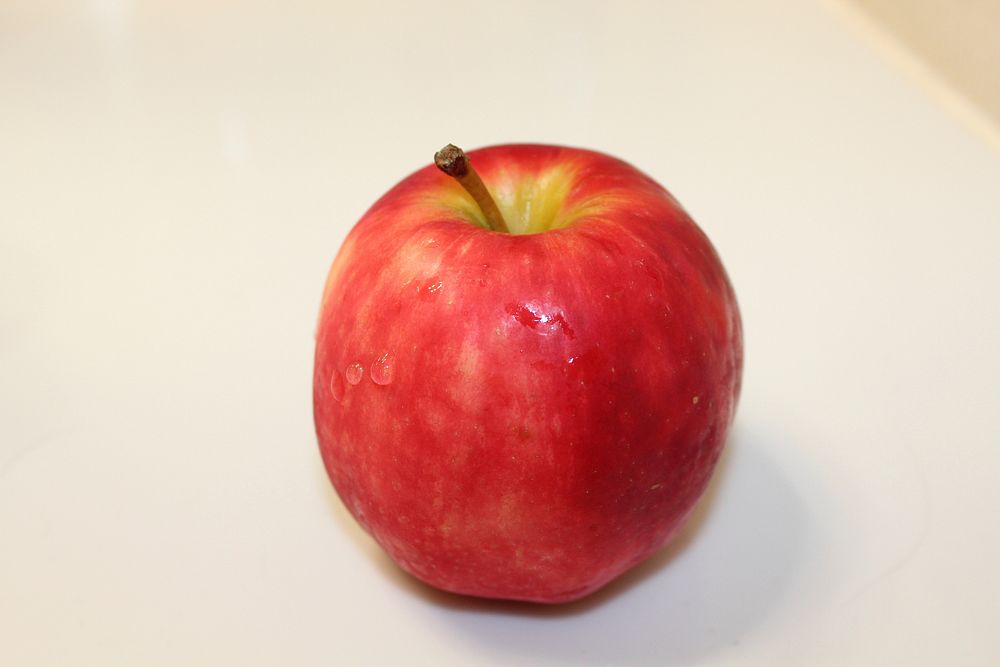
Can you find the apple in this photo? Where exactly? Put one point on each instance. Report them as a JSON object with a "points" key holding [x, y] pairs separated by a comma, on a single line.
{"points": [[525, 371]]}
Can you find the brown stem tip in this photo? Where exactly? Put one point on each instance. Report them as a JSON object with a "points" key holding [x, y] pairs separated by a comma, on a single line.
{"points": [[453, 161]]}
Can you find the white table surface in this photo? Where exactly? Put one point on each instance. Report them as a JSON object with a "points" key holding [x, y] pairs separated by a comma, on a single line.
{"points": [[175, 178]]}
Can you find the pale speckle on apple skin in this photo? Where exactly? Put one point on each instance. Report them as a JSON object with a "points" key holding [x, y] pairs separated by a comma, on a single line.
{"points": [[695, 399], [469, 360]]}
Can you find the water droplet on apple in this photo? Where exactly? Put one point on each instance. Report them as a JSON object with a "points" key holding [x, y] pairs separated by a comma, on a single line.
{"points": [[429, 290], [535, 317], [354, 373], [337, 386], [381, 370]]}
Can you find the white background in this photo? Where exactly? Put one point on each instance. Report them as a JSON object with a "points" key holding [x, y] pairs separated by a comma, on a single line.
{"points": [[176, 177]]}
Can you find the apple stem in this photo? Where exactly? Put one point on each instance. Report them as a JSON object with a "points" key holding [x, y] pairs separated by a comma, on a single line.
{"points": [[453, 161]]}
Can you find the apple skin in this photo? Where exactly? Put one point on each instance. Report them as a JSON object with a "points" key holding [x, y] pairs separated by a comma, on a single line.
{"points": [[525, 416]]}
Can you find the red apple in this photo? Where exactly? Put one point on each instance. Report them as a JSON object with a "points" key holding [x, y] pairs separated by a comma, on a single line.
{"points": [[525, 414]]}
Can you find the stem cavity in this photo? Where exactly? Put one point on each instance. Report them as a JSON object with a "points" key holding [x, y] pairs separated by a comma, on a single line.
{"points": [[453, 161]]}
